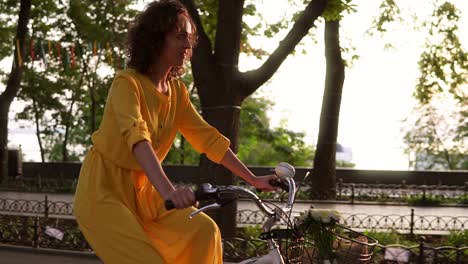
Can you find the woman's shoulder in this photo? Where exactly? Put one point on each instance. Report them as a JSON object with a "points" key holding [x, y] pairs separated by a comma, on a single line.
{"points": [[131, 77], [127, 73]]}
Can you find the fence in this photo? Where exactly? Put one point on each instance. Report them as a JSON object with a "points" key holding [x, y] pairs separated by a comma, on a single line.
{"points": [[55, 233], [411, 223], [236, 249], [70, 171], [407, 223], [42, 232], [402, 192], [345, 191], [43, 208]]}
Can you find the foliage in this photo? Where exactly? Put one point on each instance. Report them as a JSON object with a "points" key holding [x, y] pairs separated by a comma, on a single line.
{"points": [[389, 238], [423, 200], [319, 226], [66, 103], [259, 144], [457, 239], [336, 8], [388, 13], [433, 139], [444, 70], [444, 63], [262, 145], [8, 22], [463, 199], [66, 100], [250, 231]]}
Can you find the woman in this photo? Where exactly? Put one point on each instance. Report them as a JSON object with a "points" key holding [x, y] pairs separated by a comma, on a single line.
{"points": [[119, 202]]}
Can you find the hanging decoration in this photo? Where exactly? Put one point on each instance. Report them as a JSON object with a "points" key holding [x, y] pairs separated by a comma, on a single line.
{"points": [[18, 53], [67, 54]]}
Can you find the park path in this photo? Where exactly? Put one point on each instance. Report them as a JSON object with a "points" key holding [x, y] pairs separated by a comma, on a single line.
{"points": [[344, 208], [18, 255], [22, 255]]}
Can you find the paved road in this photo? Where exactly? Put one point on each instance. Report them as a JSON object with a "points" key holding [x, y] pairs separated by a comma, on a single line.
{"points": [[22, 255]]}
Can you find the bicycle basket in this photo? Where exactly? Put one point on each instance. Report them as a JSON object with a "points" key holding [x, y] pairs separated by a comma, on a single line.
{"points": [[349, 247]]}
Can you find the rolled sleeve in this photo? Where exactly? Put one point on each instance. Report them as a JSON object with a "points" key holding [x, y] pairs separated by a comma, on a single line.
{"points": [[216, 149], [125, 102]]}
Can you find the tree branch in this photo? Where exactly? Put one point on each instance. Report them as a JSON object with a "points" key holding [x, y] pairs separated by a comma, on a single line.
{"points": [[251, 80]]}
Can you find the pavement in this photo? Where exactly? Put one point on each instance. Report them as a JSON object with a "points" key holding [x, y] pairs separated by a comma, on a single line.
{"points": [[24, 255]]}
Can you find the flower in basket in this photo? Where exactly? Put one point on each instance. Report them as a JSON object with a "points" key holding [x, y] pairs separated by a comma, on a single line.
{"points": [[317, 226]]}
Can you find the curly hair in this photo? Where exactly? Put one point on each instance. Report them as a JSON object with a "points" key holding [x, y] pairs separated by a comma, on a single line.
{"points": [[147, 33]]}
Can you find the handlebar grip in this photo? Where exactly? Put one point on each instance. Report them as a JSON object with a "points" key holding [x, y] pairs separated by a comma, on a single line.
{"points": [[170, 205], [279, 183]]}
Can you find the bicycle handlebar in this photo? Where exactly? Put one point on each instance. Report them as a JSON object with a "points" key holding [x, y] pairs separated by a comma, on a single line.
{"points": [[209, 192]]}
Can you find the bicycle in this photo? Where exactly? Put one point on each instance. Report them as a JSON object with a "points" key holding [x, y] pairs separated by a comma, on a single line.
{"points": [[348, 247]]}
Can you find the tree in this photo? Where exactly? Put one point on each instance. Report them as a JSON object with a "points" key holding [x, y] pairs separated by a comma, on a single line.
{"points": [[432, 140], [62, 89], [436, 139], [13, 83], [435, 136], [222, 87], [259, 144], [324, 173]]}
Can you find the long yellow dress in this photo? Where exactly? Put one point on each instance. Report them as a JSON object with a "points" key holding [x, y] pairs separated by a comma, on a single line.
{"points": [[118, 210]]}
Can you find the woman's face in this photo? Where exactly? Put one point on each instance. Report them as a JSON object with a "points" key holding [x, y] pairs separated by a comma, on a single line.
{"points": [[177, 47]]}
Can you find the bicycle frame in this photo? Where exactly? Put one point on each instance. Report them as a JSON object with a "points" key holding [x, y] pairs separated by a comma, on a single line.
{"points": [[274, 256]]}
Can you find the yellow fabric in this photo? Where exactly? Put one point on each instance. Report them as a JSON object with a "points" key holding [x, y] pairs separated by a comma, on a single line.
{"points": [[120, 213]]}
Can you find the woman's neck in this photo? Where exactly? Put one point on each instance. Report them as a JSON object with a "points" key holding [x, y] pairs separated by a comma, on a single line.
{"points": [[159, 78]]}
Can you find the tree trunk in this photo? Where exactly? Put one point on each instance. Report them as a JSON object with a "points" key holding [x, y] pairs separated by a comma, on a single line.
{"points": [[324, 173], [222, 88], [226, 120], [13, 84], [38, 128]]}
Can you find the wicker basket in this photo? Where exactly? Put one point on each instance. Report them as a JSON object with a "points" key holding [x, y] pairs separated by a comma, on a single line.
{"points": [[349, 247]]}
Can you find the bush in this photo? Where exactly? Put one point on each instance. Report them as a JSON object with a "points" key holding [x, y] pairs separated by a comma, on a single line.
{"points": [[457, 239], [424, 200], [389, 238]]}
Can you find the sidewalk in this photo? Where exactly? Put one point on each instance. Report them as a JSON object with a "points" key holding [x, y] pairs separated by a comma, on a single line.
{"points": [[25, 255], [22, 255]]}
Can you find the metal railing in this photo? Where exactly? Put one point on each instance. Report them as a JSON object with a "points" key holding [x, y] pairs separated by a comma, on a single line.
{"points": [[349, 191], [401, 192], [236, 249], [410, 223], [30, 231], [43, 208]]}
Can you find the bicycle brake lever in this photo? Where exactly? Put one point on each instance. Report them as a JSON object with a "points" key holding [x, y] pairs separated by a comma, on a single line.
{"points": [[204, 208]]}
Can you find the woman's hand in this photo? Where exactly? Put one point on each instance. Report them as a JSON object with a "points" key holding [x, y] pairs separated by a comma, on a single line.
{"points": [[182, 197], [262, 183]]}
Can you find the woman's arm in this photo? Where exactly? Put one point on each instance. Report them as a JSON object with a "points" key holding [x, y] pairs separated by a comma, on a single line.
{"points": [[232, 163], [181, 197]]}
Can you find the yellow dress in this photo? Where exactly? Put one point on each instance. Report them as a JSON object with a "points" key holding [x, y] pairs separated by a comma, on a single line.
{"points": [[119, 212]]}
